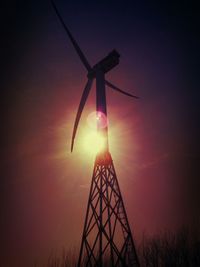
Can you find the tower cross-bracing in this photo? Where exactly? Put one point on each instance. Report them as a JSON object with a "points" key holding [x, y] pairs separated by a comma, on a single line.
{"points": [[107, 239]]}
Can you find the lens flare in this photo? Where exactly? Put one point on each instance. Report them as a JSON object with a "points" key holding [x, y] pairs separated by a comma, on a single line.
{"points": [[97, 118]]}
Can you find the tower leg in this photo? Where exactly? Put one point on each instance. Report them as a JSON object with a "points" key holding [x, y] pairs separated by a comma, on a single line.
{"points": [[107, 238]]}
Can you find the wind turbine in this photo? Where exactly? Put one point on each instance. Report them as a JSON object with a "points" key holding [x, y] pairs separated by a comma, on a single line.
{"points": [[97, 72], [105, 208]]}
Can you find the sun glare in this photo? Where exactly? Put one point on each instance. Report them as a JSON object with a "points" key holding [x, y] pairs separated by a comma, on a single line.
{"points": [[93, 142], [95, 118]]}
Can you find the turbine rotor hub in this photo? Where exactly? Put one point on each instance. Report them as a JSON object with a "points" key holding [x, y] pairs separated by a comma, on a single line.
{"points": [[106, 64]]}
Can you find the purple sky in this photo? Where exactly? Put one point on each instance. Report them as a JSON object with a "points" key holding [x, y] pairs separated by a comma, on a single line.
{"points": [[44, 186]]}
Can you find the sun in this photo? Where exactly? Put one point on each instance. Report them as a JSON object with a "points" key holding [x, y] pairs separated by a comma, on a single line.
{"points": [[93, 142]]}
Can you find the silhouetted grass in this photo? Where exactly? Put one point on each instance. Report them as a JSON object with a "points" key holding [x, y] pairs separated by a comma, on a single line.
{"points": [[67, 259], [170, 250], [166, 250]]}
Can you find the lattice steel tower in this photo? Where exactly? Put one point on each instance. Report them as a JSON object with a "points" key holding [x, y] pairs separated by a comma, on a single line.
{"points": [[107, 238]]}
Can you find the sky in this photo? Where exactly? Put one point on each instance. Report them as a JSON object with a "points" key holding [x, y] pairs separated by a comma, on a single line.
{"points": [[153, 141]]}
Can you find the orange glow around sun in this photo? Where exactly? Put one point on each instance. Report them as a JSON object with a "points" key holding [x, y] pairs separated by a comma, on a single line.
{"points": [[93, 142], [89, 142]]}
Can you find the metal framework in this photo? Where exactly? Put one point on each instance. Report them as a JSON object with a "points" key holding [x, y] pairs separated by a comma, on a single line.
{"points": [[107, 238]]}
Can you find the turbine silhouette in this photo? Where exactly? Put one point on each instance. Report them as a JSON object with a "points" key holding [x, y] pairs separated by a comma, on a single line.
{"points": [[97, 72], [107, 234]]}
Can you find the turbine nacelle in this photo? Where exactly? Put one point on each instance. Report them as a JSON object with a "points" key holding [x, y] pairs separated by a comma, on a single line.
{"points": [[97, 71], [106, 64]]}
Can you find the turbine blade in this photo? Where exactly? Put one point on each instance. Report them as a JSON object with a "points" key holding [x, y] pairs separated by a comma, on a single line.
{"points": [[119, 90], [80, 109], [75, 44]]}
